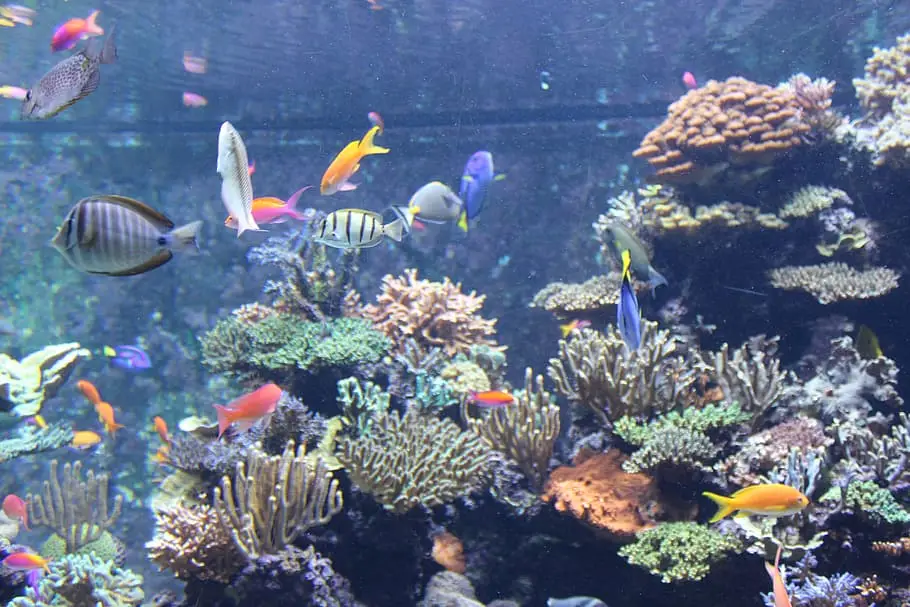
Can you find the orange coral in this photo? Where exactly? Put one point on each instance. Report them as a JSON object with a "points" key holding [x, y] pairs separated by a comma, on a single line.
{"points": [[596, 490], [736, 122], [434, 314], [448, 551]]}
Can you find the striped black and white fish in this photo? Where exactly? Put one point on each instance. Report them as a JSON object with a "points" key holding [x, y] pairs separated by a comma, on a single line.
{"points": [[119, 236], [357, 229]]}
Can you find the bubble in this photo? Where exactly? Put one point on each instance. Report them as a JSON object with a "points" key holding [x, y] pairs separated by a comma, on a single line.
{"points": [[545, 80]]}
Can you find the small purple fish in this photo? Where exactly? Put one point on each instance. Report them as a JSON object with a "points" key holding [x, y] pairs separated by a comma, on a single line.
{"points": [[33, 579], [131, 358], [475, 184]]}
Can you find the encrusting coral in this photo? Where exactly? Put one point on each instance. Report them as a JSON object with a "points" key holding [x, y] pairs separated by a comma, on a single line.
{"points": [[25, 384], [415, 460], [811, 199], [833, 281]]}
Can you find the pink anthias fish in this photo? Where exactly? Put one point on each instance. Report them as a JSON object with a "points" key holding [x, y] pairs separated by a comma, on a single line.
{"points": [[275, 210], [16, 508], [689, 80], [193, 64], [70, 33], [25, 561], [17, 14], [13, 92], [194, 100]]}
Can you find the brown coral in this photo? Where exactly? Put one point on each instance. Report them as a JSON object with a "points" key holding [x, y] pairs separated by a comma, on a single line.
{"points": [[736, 122], [434, 314], [597, 491]]}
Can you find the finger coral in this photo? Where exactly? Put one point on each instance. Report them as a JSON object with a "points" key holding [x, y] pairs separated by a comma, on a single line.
{"points": [[830, 282], [434, 314], [735, 123]]}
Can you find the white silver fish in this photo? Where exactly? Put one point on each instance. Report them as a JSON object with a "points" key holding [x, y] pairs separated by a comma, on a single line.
{"points": [[236, 185], [576, 601], [119, 236], [357, 229], [436, 203], [74, 78]]}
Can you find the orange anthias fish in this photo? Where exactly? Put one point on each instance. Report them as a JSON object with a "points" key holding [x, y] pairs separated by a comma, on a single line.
{"points": [[274, 210], [106, 416], [764, 500], [347, 162], [67, 35], [162, 455], [85, 439], [16, 508], [25, 561], [777, 581], [575, 325], [161, 429], [89, 390], [491, 398], [248, 409]]}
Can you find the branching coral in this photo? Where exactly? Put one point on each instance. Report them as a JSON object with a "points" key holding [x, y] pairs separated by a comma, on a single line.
{"points": [[360, 403], [884, 459], [830, 282], [596, 370], [193, 543], [736, 123], [524, 431], [679, 551], [814, 99], [434, 314], [75, 509], [84, 581], [25, 384], [272, 500], [415, 460]]}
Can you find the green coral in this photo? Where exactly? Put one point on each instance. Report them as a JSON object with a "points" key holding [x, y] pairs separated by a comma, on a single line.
{"points": [[432, 393], [679, 551], [84, 581], [106, 547], [868, 500], [361, 402], [280, 346], [682, 439]]}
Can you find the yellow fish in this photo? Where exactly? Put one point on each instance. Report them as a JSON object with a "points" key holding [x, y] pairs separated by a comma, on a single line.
{"points": [[764, 500], [347, 162], [867, 344]]}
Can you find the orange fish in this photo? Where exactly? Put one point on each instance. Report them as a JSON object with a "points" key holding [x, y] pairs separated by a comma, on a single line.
{"points": [[777, 581], [89, 390], [347, 162], [194, 100], [106, 416], [67, 35], [161, 429], [85, 439], [161, 455], [248, 409], [25, 561], [765, 500], [193, 64], [491, 398], [16, 508]]}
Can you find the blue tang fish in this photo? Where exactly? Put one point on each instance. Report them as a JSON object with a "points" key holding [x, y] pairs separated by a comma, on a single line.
{"points": [[628, 314], [131, 358], [475, 185]]}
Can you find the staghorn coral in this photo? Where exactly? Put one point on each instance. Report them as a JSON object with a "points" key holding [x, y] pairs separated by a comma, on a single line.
{"points": [[25, 384], [567, 299], [193, 543], [84, 581], [812, 199], [679, 551], [75, 509], [736, 124], [830, 282], [434, 314], [597, 491], [415, 460], [272, 500], [597, 371], [524, 431], [813, 590]]}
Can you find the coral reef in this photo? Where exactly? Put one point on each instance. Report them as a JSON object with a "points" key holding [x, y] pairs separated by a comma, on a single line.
{"points": [[465, 376], [869, 501], [735, 124], [31, 439], [833, 281], [360, 402], [814, 100], [107, 548], [84, 581], [679, 551], [25, 384], [568, 299], [415, 460], [448, 551], [812, 199]]}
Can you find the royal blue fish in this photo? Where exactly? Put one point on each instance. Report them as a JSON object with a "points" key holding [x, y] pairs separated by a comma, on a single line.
{"points": [[131, 358], [475, 185], [628, 314]]}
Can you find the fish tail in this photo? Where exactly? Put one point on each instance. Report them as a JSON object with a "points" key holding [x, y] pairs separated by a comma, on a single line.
{"points": [[109, 50], [566, 329], [292, 201], [395, 230], [724, 506], [655, 279], [184, 237], [367, 146], [224, 419], [463, 221], [407, 215], [109, 352], [92, 27]]}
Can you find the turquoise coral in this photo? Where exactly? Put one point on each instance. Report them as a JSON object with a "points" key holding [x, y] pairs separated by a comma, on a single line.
{"points": [[83, 581], [679, 551], [361, 402]]}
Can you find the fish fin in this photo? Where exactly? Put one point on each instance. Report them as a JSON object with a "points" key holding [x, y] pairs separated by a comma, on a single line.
{"points": [[109, 352], [158, 260], [245, 424], [224, 418], [655, 279], [626, 257], [724, 506], [394, 230], [406, 214], [347, 186], [291, 204], [467, 178], [156, 217], [463, 221], [184, 237], [109, 50], [771, 569], [91, 26], [367, 147], [41, 423], [566, 329]]}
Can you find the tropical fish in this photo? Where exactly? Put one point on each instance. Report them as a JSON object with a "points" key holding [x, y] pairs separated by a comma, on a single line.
{"points": [[867, 344], [17, 13], [106, 416], [85, 439], [619, 239], [475, 185], [161, 429], [347, 162], [491, 398], [376, 120], [236, 186], [576, 601], [16, 508], [689, 81], [274, 210], [358, 229], [39, 421], [764, 500], [193, 64], [162, 455], [779, 589], [132, 358], [194, 100], [67, 35], [13, 92], [119, 236], [435, 203], [71, 80], [33, 581], [574, 325], [628, 314], [89, 390], [25, 561], [248, 409]]}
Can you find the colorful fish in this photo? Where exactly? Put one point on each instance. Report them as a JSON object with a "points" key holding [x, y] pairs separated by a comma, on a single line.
{"points": [[689, 81], [347, 162], [16, 508], [85, 440], [248, 409], [161, 429], [491, 398], [106, 416], [131, 358], [574, 325], [194, 100], [193, 64], [619, 238], [162, 455], [17, 13], [376, 120], [274, 210], [778, 588], [89, 391], [435, 202], [13, 92], [628, 314], [25, 561], [479, 173], [236, 185], [359, 229], [765, 500], [67, 35]]}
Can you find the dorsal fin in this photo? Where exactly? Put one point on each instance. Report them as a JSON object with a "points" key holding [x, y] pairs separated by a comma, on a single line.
{"points": [[139, 207]]}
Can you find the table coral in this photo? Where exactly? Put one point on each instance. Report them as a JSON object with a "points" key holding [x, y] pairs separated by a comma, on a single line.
{"points": [[736, 123], [435, 314], [597, 491], [679, 551], [833, 281], [567, 299], [25, 384]]}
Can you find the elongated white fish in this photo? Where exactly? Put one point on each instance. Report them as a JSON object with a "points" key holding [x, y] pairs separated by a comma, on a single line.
{"points": [[236, 185], [357, 229]]}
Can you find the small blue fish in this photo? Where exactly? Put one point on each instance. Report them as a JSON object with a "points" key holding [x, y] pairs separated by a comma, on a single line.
{"points": [[475, 185], [131, 358], [628, 314]]}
